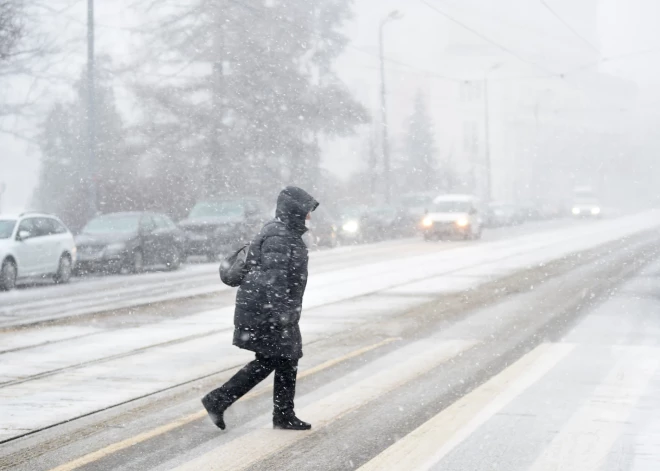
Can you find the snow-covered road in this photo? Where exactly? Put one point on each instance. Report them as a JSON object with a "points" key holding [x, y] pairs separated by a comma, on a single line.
{"points": [[86, 296], [51, 374]]}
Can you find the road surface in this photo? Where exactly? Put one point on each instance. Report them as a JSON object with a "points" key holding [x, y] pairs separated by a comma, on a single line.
{"points": [[536, 349]]}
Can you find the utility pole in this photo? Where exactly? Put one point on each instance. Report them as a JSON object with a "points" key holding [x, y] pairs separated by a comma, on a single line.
{"points": [[372, 164], [394, 15], [487, 192], [91, 113], [217, 106]]}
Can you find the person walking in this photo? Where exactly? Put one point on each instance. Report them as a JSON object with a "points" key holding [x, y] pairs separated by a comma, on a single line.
{"points": [[268, 309]]}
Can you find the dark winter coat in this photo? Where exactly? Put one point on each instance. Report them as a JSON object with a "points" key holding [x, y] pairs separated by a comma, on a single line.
{"points": [[269, 300]]}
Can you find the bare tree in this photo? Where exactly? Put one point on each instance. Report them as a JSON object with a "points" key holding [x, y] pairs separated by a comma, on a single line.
{"points": [[11, 27], [29, 50]]}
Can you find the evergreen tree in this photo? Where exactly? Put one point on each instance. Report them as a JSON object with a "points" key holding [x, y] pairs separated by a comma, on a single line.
{"points": [[252, 122], [64, 175], [420, 149]]}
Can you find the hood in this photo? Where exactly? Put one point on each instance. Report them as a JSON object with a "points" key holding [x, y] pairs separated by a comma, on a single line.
{"points": [[447, 217], [293, 205], [104, 238]]}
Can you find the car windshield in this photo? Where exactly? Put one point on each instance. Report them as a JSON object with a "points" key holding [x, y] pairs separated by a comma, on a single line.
{"points": [[451, 207], [6, 228], [217, 209], [584, 195], [113, 223]]}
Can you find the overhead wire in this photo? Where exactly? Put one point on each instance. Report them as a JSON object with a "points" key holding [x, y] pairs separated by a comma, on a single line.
{"points": [[487, 39], [573, 30], [435, 74]]}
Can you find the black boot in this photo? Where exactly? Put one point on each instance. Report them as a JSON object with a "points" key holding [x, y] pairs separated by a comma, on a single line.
{"points": [[215, 411], [290, 422]]}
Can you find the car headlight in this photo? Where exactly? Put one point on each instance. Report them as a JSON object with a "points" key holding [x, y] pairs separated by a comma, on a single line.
{"points": [[115, 248], [427, 222], [595, 210], [576, 211], [350, 226], [463, 222]]}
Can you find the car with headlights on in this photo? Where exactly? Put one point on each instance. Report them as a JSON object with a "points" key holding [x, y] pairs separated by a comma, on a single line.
{"points": [[34, 245], [216, 224], [453, 216], [129, 242], [353, 225], [323, 229], [585, 204], [386, 222]]}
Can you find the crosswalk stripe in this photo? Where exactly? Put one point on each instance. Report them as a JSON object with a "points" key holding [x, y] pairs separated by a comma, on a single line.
{"points": [[585, 441], [405, 365], [148, 435], [426, 445]]}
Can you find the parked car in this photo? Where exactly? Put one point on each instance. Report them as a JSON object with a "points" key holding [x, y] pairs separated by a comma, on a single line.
{"points": [[388, 222], [353, 225], [502, 214], [530, 212], [416, 204], [323, 229], [214, 225], [129, 242], [34, 245], [453, 216]]}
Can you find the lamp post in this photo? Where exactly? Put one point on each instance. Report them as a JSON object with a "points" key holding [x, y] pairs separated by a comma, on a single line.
{"points": [[487, 130], [394, 15], [91, 112]]}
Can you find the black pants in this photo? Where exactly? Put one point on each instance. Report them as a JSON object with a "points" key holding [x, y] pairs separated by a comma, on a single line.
{"points": [[255, 372]]}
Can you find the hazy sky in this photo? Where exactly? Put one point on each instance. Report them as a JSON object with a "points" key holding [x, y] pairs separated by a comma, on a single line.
{"points": [[418, 39]]}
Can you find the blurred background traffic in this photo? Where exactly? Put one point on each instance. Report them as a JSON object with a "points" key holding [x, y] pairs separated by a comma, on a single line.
{"points": [[40, 246]]}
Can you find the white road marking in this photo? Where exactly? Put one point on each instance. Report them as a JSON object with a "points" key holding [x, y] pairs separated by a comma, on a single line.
{"points": [[257, 445], [425, 446], [585, 441]]}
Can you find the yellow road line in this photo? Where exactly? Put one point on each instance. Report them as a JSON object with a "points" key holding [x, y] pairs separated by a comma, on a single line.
{"points": [[404, 365], [142, 437]]}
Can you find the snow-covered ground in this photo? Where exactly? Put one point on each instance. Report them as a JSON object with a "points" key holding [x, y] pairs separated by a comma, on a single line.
{"points": [[55, 373], [98, 294]]}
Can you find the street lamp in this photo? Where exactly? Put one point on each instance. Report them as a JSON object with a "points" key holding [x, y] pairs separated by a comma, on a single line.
{"points": [[91, 114], [394, 15], [487, 130]]}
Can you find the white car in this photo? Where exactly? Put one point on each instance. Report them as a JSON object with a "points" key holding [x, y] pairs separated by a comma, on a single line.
{"points": [[585, 203], [453, 215], [34, 245]]}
